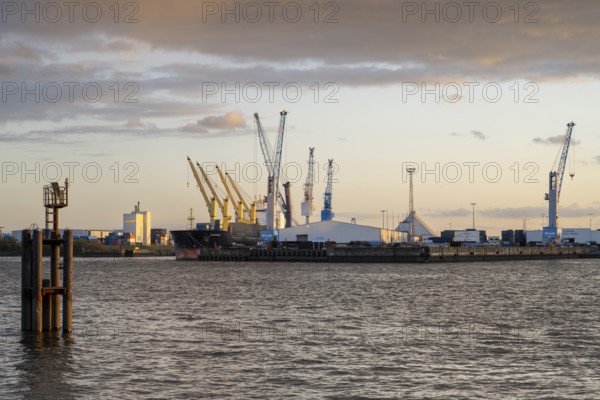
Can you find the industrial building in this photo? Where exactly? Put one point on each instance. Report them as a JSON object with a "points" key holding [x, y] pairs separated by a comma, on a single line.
{"points": [[139, 224], [340, 232], [462, 236], [580, 235]]}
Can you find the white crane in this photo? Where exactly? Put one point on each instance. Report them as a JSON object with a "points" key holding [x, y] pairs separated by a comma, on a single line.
{"points": [[308, 205], [327, 211], [273, 163]]}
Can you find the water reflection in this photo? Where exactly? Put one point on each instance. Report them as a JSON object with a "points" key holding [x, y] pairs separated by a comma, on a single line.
{"points": [[46, 366]]}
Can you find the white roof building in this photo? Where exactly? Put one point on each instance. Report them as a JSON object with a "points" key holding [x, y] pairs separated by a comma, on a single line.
{"points": [[420, 228], [340, 232]]}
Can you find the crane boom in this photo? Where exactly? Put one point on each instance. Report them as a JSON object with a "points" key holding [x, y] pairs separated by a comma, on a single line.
{"points": [[308, 205], [327, 212], [563, 157], [237, 205], [279, 147], [251, 210], [237, 191], [210, 186], [308, 186], [223, 205], [199, 182], [265, 146], [210, 203]]}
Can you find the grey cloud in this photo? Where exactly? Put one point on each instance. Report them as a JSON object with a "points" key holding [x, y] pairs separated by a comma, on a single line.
{"points": [[504, 50], [553, 140], [458, 212], [73, 134], [478, 135], [137, 123], [194, 128], [513, 212]]}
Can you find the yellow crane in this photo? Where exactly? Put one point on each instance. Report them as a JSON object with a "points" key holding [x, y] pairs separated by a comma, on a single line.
{"points": [[223, 205], [239, 204], [210, 203], [252, 209]]}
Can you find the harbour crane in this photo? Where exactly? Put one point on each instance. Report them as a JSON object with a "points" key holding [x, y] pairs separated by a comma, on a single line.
{"points": [[555, 185], [210, 202], [308, 205], [327, 211], [251, 210], [223, 204], [273, 163], [239, 205]]}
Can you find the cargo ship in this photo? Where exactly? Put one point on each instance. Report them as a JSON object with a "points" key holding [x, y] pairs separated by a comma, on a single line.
{"points": [[190, 243]]}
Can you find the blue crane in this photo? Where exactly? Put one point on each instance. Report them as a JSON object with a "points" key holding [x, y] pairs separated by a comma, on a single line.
{"points": [[554, 187]]}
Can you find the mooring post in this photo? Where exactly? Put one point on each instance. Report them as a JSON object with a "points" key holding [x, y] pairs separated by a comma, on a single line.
{"points": [[68, 281], [36, 290], [55, 282], [47, 307], [26, 280]]}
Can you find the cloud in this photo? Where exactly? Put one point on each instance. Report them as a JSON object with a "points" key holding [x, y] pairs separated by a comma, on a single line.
{"points": [[194, 128], [513, 212], [597, 159], [228, 121], [478, 135], [135, 123], [563, 43], [570, 211], [458, 212], [554, 140], [26, 53]]}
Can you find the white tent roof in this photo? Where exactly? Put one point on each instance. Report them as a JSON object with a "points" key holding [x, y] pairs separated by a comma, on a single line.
{"points": [[420, 228]]}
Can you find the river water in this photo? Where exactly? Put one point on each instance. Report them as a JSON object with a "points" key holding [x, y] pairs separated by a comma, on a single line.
{"points": [[161, 329]]}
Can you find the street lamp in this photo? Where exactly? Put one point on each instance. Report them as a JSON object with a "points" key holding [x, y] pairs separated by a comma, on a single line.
{"points": [[591, 214], [382, 219], [387, 219], [473, 204]]}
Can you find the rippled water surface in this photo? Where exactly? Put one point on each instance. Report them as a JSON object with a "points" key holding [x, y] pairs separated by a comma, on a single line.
{"points": [[186, 330]]}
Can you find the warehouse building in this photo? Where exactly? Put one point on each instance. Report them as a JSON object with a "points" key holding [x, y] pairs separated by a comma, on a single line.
{"points": [[341, 232], [580, 235]]}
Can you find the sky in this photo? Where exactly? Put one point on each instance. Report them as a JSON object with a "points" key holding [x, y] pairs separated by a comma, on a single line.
{"points": [[477, 95]]}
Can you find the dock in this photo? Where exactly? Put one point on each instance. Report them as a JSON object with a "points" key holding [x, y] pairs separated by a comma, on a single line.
{"points": [[394, 255]]}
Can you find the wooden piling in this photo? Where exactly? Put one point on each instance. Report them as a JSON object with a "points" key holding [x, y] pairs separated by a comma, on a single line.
{"points": [[68, 281], [26, 280], [55, 282], [36, 290], [47, 308]]}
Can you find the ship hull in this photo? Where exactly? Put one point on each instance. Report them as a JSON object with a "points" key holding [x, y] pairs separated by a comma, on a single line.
{"points": [[189, 243]]}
